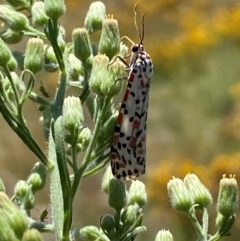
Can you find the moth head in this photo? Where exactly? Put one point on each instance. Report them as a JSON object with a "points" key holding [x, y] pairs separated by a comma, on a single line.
{"points": [[137, 48]]}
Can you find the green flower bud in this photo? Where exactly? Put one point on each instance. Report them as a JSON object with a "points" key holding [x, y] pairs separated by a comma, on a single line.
{"points": [[11, 37], [34, 55], [12, 65], [54, 9], [137, 193], [95, 16], [103, 79], [17, 21], [74, 68], [180, 196], [129, 216], [13, 215], [5, 53], [2, 186], [21, 189], [164, 235], [32, 235], [24, 195], [227, 203], [117, 194], [8, 87], [72, 113], [61, 38], [109, 42], [6, 231], [99, 74], [225, 224], [18, 3], [200, 193], [50, 61], [39, 17], [107, 176], [107, 223], [117, 72], [110, 124], [91, 233], [84, 139], [37, 178], [107, 130], [81, 44], [123, 52]]}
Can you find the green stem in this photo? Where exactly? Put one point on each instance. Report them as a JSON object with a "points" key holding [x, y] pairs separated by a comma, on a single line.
{"points": [[74, 148], [34, 32], [196, 224], [90, 148]]}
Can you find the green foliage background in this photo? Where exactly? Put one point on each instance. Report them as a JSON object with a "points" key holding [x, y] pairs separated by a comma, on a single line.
{"points": [[194, 108]]}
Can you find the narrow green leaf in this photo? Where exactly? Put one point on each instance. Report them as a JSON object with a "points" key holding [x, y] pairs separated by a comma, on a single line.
{"points": [[56, 194]]}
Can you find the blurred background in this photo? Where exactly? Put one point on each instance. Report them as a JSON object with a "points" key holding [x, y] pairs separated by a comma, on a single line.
{"points": [[193, 116]]}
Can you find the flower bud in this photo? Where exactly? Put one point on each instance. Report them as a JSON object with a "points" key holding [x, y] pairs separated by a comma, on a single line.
{"points": [[34, 55], [117, 194], [32, 235], [107, 223], [103, 79], [109, 42], [225, 224], [61, 38], [129, 215], [137, 193], [74, 68], [11, 37], [99, 74], [50, 61], [54, 9], [17, 21], [164, 235], [18, 3], [12, 65], [8, 87], [72, 113], [104, 136], [21, 189], [84, 139], [117, 72], [2, 186], [107, 176], [180, 196], [199, 192], [37, 178], [227, 203], [39, 17], [109, 126], [6, 231], [91, 233], [24, 195], [13, 215], [81, 44], [95, 16], [5, 53], [123, 52]]}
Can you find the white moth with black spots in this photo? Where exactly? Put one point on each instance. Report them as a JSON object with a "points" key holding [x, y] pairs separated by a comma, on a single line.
{"points": [[128, 149]]}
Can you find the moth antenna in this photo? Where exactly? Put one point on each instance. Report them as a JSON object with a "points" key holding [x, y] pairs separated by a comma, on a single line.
{"points": [[141, 36], [126, 37], [135, 20]]}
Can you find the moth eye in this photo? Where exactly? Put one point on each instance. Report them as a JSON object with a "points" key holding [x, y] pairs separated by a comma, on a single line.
{"points": [[135, 48]]}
